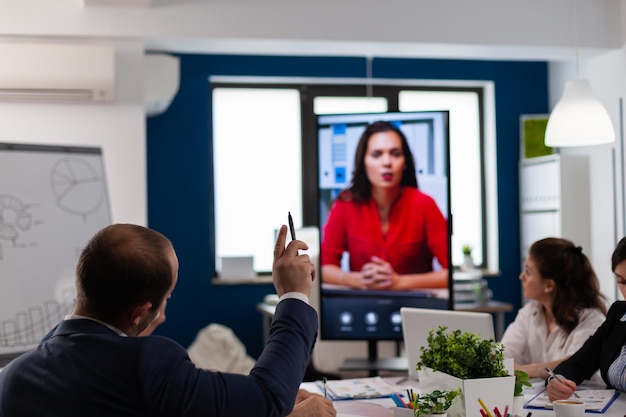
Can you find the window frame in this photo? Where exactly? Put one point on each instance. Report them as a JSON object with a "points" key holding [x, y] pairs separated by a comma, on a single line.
{"points": [[310, 88]]}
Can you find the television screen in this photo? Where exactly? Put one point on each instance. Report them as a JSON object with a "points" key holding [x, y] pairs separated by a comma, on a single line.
{"points": [[377, 258]]}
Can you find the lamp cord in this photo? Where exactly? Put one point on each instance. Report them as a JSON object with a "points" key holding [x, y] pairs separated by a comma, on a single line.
{"points": [[576, 37], [368, 75]]}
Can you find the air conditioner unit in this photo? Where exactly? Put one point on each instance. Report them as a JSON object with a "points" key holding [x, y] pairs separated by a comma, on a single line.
{"points": [[56, 72], [161, 81]]}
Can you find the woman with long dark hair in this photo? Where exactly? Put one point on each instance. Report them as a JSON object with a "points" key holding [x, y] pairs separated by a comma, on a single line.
{"points": [[391, 230], [565, 307]]}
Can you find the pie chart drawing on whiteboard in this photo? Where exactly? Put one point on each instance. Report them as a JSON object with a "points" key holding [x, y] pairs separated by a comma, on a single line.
{"points": [[77, 187]]}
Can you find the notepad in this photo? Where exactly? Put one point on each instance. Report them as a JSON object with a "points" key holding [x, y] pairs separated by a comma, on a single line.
{"points": [[596, 400], [358, 388]]}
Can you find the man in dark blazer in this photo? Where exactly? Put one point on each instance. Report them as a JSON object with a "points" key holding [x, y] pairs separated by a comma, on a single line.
{"points": [[92, 365]]}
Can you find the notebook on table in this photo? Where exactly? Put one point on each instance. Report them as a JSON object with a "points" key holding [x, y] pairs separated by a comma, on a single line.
{"points": [[417, 322], [596, 400]]}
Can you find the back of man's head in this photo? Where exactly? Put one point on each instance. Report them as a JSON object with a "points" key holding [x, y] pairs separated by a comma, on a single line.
{"points": [[121, 266]]}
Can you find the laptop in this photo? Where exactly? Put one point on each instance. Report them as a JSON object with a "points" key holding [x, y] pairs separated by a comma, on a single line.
{"points": [[417, 322]]}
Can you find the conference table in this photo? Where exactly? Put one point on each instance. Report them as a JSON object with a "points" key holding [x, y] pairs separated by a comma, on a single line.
{"points": [[384, 407]]}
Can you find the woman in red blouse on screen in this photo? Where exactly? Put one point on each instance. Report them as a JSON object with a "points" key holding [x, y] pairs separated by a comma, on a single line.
{"points": [[391, 229]]}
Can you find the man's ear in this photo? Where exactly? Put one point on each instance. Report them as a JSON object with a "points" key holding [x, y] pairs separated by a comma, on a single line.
{"points": [[140, 313]]}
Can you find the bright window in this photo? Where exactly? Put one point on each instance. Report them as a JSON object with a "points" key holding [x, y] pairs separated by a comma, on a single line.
{"points": [[257, 170], [347, 105], [465, 161]]}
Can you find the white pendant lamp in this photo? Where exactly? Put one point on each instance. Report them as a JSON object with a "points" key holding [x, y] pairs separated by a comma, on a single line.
{"points": [[578, 119]]}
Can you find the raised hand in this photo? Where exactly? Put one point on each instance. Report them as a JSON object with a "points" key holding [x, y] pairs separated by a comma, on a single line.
{"points": [[291, 271]]}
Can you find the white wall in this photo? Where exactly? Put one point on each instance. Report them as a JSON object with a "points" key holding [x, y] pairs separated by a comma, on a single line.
{"points": [[117, 127], [607, 75]]}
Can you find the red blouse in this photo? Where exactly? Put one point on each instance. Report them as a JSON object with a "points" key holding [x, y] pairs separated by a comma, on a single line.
{"points": [[417, 233]]}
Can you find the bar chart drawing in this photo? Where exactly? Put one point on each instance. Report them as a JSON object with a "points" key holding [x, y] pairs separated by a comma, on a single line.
{"points": [[29, 326]]}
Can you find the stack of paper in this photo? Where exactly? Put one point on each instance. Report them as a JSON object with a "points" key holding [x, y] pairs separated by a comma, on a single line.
{"points": [[345, 389]]}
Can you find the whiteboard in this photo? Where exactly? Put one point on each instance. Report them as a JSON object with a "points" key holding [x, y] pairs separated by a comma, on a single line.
{"points": [[52, 201]]}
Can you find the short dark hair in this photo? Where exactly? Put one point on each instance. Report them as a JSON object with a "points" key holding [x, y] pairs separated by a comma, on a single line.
{"points": [[577, 285], [619, 254], [122, 266], [361, 188]]}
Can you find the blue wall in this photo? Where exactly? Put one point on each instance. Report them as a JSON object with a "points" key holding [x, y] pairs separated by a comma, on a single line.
{"points": [[180, 182]]}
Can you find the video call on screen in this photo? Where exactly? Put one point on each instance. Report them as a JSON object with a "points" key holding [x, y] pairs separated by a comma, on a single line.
{"points": [[352, 314]]}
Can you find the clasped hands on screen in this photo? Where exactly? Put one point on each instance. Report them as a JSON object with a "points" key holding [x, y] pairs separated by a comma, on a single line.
{"points": [[377, 274]]}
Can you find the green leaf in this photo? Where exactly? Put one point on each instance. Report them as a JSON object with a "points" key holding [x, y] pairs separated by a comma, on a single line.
{"points": [[521, 380]]}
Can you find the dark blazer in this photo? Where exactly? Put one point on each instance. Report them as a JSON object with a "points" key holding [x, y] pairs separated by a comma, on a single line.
{"points": [[87, 369], [600, 350]]}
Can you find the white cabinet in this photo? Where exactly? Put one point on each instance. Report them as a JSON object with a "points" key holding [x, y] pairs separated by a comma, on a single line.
{"points": [[554, 200]]}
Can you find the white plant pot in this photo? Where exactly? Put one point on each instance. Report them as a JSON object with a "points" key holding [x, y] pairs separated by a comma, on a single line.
{"points": [[468, 263], [493, 392], [518, 405], [408, 412], [403, 412]]}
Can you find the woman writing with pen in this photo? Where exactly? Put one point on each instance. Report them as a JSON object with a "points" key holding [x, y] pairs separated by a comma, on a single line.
{"points": [[391, 230], [605, 350]]}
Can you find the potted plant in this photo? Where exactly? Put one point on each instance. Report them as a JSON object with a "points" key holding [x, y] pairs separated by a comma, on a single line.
{"points": [[468, 261], [462, 354], [436, 402], [456, 359]]}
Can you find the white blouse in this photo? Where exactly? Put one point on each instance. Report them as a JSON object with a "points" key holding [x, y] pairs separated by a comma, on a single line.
{"points": [[526, 340], [617, 371]]}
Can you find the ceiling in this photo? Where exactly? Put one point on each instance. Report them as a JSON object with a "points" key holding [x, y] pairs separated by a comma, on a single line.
{"points": [[480, 29]]}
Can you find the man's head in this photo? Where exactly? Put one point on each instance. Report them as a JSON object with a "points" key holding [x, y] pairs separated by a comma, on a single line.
{"points": [[124, 275]]}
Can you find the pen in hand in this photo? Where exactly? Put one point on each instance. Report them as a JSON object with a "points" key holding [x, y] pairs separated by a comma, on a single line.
{"points": [[325, 390], [553, 375], [291, 228]]}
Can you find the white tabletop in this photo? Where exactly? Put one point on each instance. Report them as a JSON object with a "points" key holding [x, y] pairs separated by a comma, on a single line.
{"points": [[382, 407]]}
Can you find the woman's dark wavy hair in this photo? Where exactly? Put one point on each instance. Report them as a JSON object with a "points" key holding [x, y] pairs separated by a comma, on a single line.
{"points": [[361, 189], [619, 254], [577, 285], [122, 266]]}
